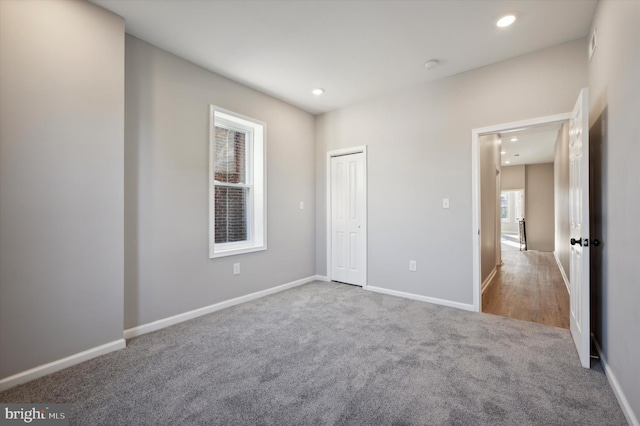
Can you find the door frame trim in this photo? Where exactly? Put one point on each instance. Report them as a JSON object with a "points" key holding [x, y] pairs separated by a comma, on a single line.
{"points": [[475, 186], [337, 153]]}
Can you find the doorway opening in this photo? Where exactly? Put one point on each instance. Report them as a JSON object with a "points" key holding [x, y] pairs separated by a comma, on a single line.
{"points": [[577, 214], [520, 160]]}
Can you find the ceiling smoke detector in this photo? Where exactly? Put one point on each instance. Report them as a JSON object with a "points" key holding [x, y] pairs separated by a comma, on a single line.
{"points": [[431, 64]]}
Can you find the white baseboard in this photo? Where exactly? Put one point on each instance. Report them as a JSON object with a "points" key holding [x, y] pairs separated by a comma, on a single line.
{"points": [[632, 419], [166, 322], [435, 301], [322, 278], [60, 364], [564, 275], [486, 282]]}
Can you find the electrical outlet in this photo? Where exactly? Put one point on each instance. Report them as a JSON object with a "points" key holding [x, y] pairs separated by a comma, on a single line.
{"points": [[412, 265], [236, 269], [445, 203]]}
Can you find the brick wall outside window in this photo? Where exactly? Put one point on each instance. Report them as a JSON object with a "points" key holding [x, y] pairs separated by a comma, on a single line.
{"points": [[230, 203]]}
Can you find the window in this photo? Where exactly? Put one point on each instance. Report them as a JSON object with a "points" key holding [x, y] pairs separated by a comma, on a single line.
{"points": [[237, 204], [504, 207], [519, 196], [511, 205]]}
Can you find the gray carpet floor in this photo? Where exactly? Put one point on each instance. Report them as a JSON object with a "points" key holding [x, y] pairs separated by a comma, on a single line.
{"points": [[333, 354]]}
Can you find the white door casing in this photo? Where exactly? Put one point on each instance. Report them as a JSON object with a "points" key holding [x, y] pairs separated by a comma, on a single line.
{"points": [[579, 216], [475, 187], [347, 189], [579, 228]]}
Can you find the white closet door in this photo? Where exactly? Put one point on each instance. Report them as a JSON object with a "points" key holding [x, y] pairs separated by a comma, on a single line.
{"points": [[348, 209]]}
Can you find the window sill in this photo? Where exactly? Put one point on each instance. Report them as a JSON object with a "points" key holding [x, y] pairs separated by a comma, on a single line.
{"points": [[216, 253]]}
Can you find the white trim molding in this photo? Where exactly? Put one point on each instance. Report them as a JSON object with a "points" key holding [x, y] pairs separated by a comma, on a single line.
{"points": [[475, 187], [166, 322], [323, 278], [421, 298], [562, 272], [61, 364], [486, 282], [627, 409]]}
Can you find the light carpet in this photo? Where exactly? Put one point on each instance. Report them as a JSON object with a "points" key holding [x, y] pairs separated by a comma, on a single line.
{"points": [[333, 354]]}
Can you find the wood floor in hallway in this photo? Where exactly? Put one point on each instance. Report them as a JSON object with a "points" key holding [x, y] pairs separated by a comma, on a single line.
{"points": [[528, 286]]}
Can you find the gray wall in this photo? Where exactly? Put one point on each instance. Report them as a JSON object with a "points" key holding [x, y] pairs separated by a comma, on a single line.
{"points": [[561, 197], [539, 210], [61, 180], [512, 177], [167, 270], [420, 152], [615, 125], [489, 163]]}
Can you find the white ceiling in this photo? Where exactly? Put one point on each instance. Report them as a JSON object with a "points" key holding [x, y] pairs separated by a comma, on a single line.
{"points": [[535, 145], [355, 50]]}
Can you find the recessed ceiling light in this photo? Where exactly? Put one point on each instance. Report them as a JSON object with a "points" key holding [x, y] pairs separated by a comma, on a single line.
{"points": [[506, 20], [503, 152], [318, 91], [507, 162], [431, 64], [514, 139]]}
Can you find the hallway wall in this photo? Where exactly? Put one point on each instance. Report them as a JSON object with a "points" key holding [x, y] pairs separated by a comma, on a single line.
{"points": [[561, 197], [489, 202], [539, 210]]}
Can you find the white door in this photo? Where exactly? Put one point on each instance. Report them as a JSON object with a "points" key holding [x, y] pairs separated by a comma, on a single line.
{"points": [[348, 251], [579, 223]]}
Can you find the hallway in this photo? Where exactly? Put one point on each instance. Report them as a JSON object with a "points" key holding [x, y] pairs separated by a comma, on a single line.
{"points": [[529, 287]]}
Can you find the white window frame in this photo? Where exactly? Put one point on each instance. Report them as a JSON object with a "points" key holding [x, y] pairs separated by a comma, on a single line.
{"points": [[512, 205], [256, 182], [508, 218]]}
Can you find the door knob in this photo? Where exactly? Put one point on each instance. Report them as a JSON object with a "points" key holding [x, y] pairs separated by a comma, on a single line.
{"points": [[578, 241]]}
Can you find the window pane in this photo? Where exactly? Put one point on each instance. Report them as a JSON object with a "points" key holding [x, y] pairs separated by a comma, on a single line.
{"points": [[504, 207], [231, 214], [519, 200], [230, 156]]}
